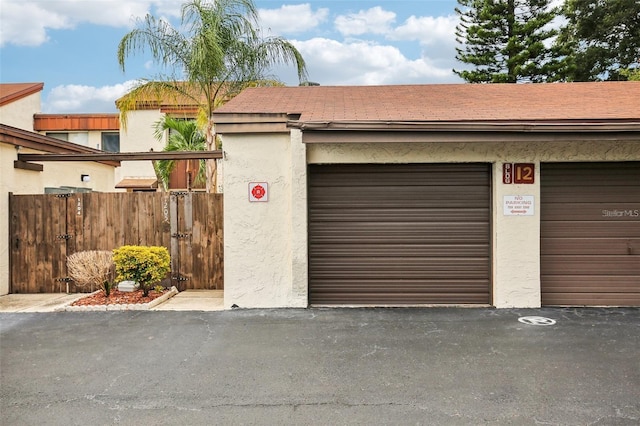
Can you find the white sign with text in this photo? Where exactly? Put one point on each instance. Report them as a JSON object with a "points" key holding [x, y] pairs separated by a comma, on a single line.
{"points": [[518, 205]]}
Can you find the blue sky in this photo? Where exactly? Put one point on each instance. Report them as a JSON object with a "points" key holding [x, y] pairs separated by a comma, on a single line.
{"points": [[70, 45]]}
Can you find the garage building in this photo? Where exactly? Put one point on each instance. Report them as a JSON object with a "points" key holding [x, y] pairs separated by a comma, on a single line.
{"points": [[482, 195]]}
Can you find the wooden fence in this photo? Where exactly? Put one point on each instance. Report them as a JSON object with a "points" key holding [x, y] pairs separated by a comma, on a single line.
{"points": [[44, 229]]}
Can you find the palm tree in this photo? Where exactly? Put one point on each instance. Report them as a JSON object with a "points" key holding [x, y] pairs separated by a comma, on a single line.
{"points": [[217, 51], [184, 135]]}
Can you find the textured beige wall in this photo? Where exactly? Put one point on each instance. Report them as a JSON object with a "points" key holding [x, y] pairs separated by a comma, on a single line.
{"points": [[259, 259], [265, 244], [19, 113], [138, 137], [30, 182]]}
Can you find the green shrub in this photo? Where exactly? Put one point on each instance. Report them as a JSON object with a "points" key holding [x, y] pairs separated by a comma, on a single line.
{"points": [[142, 264]]}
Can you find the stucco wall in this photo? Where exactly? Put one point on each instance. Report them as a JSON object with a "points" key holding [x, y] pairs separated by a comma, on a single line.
{"points": [[137, 136], [31, 182], [264, 241], [259, 243], [19, 113]]}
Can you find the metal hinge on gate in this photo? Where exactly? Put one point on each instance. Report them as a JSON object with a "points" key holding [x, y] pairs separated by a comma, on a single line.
{"points": [[64, 237], [179, 235], [179, 193], [64, 195], [64, 279], [179, 278]]}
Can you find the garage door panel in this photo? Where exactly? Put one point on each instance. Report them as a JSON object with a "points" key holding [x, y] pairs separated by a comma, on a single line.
{"points": [[401, 175], [626, 211], [569, 229], [626, 265], [437, 268], [403, 299], [399, 234], [350, 213], [588, 174], [590, 246], [339, 233], [592, 299], [602, 194], [590, 234], [376, 249], [590, 284]]}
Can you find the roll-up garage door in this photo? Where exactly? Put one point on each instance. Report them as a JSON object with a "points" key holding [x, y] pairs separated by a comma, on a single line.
{"points": [[399, 234], [590, 234]]}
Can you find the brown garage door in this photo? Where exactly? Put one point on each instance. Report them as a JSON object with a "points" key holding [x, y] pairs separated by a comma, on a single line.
{"points": [[590, 234], [399, 234]]}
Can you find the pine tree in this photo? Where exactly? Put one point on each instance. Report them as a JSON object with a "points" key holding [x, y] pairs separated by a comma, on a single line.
{"points": [[505, 41]]}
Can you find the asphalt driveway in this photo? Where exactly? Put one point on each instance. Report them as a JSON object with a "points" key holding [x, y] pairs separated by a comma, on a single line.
{"points": [[321, 366]]}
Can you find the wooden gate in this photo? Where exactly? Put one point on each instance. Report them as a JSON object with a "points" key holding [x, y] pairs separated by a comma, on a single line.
{"points": [[46, 228]]}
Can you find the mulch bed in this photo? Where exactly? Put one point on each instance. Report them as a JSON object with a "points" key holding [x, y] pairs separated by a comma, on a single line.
{"points": [[118, 298]]}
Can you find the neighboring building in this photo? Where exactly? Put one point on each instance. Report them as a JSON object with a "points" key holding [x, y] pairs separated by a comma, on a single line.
{"points": [[98, 131], [18, 105], [509, 195]]}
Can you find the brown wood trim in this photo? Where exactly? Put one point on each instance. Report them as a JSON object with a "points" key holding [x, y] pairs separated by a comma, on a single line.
{"points": [[123, 156], [17, 164], [75, 122], [342, 136], [613, 125]]}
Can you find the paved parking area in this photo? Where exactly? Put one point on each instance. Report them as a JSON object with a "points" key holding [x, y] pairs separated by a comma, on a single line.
{"points": [[321, 366]]}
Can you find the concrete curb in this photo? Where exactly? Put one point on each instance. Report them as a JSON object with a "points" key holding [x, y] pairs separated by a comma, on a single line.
{"points": [[125, 307]]}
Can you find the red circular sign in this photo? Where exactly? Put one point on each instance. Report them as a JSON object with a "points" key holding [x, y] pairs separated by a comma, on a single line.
{"points": [[258, 191]]}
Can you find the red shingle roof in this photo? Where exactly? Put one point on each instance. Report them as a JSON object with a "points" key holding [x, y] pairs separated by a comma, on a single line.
{"points": [[446, 102]]}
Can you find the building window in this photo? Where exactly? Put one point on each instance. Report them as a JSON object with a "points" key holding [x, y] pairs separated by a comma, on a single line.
{"points": [[79, 138], [58, 135], [111, 141]]}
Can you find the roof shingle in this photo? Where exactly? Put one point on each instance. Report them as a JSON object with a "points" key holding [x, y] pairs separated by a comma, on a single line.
{"points": [[445, 102]]}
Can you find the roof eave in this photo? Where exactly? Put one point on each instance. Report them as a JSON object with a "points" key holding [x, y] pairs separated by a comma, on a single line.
{"points": [[569, 126]]}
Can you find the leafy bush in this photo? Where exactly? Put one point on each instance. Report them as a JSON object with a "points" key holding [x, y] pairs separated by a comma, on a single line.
{"points": [[93, 268], [145, 265]]}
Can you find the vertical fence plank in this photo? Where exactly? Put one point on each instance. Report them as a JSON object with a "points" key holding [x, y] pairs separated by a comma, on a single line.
{"points": [[175, 248], [20, 247], [185, 219], [56, 247], [199, 244]]}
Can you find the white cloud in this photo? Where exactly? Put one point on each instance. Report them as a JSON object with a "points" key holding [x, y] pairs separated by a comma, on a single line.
{"points": [[361, 63], [290, 19], [428, 30], [372, 21], [73, 98], [25, 23]]}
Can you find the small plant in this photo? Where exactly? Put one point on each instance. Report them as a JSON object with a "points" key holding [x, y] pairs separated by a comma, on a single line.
{"points": [[159, 289], [93, 268], [106, 287], [146, 265]]}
